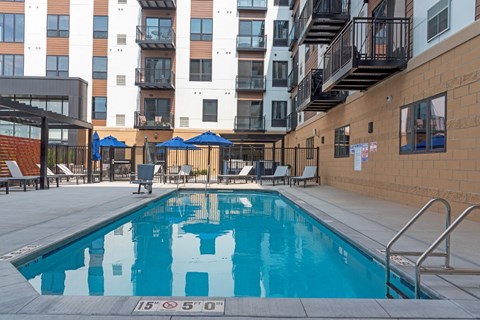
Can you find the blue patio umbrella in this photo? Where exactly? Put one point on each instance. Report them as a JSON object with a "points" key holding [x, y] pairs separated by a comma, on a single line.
{"points": [[176, 143], [96, 147], [111, 141], [209, 139]]}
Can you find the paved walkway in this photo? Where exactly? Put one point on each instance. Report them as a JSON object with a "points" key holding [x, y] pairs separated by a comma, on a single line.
{"points": [[30, 221]]}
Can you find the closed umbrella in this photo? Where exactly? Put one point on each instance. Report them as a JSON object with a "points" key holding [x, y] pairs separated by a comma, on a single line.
{"points": [[209, 139], [96, 147]]}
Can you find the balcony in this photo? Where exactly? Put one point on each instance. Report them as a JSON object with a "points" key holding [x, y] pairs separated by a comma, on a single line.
{"points": [[251, 43], [251, 83], [293, 36], [321, 20], [155, 38], [249, 123], [292, 79], [148, 121], [292, 121], [312, 98], [252, 5], [157, 79], [367, 51], [158, 4]]}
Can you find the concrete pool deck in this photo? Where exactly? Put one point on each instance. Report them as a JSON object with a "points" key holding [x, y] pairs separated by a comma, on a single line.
{"points": [[31, 221]]}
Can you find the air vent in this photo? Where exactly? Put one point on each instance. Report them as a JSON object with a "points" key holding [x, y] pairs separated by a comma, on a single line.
{"points": [[121, 80], [121, 39], [120, 120], [122, 1], [184, 122]]}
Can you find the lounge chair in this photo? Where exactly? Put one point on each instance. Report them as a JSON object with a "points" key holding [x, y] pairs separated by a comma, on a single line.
{"points": [[279, 174], [309, 173], [184, 173], [17, 175], [52, 175], [69, 174], [145, 174], [5, 183], [242, 175]]}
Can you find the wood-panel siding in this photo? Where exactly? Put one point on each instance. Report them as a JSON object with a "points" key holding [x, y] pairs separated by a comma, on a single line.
{"points": [[477, 10], [99, 123], [200, 49], [409, 14], [57, 46], [11, 48], [312, 61], [254, 15], [257, 96], [308, 115], [99, 88], [158, 14], [202, 9], [12, 7], [100, 47], [58, 7], [372, 5], [100, 7], [251, 55]]}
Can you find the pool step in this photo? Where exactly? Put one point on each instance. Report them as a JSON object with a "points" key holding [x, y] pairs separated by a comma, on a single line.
{"points": [[397, 290]]}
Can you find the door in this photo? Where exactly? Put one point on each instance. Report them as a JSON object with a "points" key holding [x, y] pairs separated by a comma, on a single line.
{"points": [[158, 70]]}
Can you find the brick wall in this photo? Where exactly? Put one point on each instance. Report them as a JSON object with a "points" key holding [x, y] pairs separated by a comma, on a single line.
{"points": [[413, 178], [25, 151]]}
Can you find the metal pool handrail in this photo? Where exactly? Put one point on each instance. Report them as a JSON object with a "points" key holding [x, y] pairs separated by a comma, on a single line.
{"points": [[389, 252], [429, 252]]}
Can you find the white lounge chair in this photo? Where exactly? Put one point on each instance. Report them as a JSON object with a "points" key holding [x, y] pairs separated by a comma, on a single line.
{"points": [[279, 174], [184, 173], [242, 175], [17, 175], [55, 176], [309, 173], [145, 174], [69, 174]]}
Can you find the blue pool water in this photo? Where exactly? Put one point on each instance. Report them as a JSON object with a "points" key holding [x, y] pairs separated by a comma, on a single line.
{"points": [[220, 244]]}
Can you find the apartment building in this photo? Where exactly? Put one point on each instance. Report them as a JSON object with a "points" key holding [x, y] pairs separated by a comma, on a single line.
{"points": [[158, 68], [390, 96]]}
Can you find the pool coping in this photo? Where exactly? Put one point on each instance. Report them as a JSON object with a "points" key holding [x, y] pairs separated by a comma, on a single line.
{"points": [[20, 298]]}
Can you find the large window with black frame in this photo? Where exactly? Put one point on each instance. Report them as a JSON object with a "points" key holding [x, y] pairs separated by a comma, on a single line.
{"points": [[342, 142], [422, 125]]}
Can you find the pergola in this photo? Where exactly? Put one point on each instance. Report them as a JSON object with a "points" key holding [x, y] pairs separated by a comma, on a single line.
{"points": [[21, 113]]}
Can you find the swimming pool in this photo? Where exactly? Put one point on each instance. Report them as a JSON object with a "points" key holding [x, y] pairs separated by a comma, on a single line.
{"points": [[218, 244]]}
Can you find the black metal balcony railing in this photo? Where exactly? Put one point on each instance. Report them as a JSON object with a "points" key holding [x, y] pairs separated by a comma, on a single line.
{"points": [[249, 123], [321, 20], [280, 42], [154, 78], [292, 79], [311, 97], [154, 121], [292, 121], [279, 123], [155, 37], [251, 43], [251, 83], [257, 5], [365, 52], [293, 36], [158, 4]]}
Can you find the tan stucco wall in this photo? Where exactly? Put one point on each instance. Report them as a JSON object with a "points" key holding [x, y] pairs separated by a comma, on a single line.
{"points": [[452, 67]]}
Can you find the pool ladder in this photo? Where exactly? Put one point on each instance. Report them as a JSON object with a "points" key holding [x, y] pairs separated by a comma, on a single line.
{"points": [[419, 269]]}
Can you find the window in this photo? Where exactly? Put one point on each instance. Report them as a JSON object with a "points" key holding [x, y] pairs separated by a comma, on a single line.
{"points": [[201, 70], [99, 109], [310, 148], [279, 113], [251, 34], [58, 26], [249, 115], [12, 27], [57, 66], [280, 33], [201, 29], [157, 112], [342, 142], [121, 39], [283, 3], [210, 110], [100, 27], [280, 74], [438, 19], [422, 126], [11, 65], [99, 68]]}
